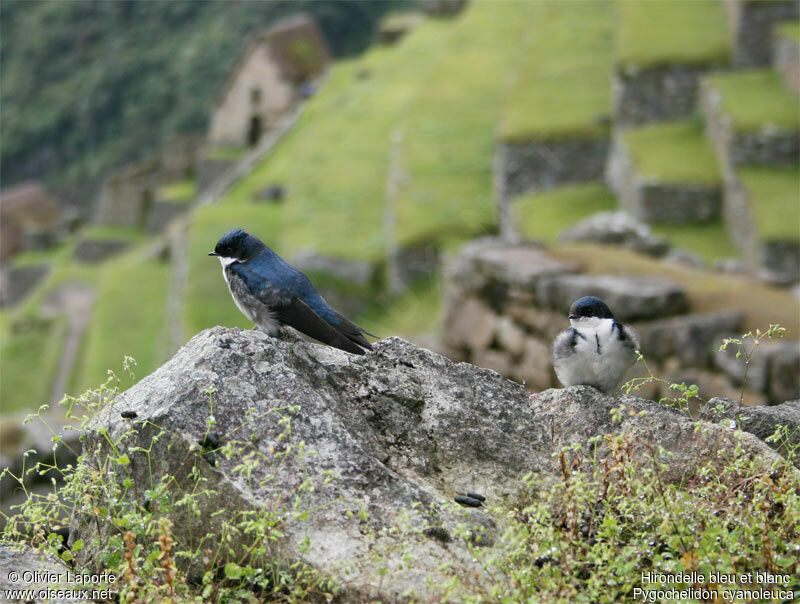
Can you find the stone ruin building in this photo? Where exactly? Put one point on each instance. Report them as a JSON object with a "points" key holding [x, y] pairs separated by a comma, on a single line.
{"points": [[271, 75]]}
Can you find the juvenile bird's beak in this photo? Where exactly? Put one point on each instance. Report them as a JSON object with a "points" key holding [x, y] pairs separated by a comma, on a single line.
{"points": [[212, 253], [573, 317]]}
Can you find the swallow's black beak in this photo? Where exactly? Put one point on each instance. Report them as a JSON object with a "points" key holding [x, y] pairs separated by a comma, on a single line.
{"points": [[573, 317], [212, 253]]}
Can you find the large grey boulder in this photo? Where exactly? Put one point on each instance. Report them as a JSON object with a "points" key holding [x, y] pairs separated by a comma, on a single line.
{"points": [[24, 569], [400, 427], [616, 228], [577, 414], [391, 438]]}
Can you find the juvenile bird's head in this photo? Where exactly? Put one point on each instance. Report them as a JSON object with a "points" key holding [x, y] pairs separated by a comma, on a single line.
{"points": [[237, 246], [588, 311]]}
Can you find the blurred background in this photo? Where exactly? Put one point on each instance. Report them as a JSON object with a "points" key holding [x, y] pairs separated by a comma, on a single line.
{"points": [[646, 152]]}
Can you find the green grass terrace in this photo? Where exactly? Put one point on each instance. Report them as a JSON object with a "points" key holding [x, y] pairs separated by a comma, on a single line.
{"points": [[669, 32], [756, 99], [774, 195], [675, 152]]}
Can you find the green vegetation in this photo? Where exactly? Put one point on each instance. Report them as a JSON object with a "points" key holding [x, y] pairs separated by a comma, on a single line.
{"points": [[129, 317], [182, 190], [790, 30], [120, 233], [662, 32], [101, 84], [543, 216], [29, 356], [588, 534], [709, 240], [401, 21], [561, 86], [414, 313], [755, 99], [614, 515], [449, 130], [223, 152], [773, 194], [676, 152], [130, 530]]}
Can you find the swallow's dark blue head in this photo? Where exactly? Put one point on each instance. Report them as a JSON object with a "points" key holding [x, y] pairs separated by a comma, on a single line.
{"points": [[589, 307], [238, 244]]}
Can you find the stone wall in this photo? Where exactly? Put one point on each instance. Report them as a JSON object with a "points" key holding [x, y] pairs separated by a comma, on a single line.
{"points": [[127, 195], [178, 157], [209, 169], [653, 201], [536, 166], [17, 281], [96, 250], [163, 212], [751, 26], [786, 59], [505, 303], [654, 94], [521, 168], [768, 146]]}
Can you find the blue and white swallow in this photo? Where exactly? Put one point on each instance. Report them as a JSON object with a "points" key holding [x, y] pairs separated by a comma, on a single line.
{"points": [[597, 350], [271, 293]]}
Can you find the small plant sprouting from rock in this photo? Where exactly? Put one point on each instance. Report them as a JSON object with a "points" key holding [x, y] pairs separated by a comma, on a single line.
{"points": [[742, 349], [235, 555], [681, 402]]}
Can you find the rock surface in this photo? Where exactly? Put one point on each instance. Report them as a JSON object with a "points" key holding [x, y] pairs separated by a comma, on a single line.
{"points": [[400, 427], [403, 430], [50, 574], [631, 298], [761, 421], [617, 228]]}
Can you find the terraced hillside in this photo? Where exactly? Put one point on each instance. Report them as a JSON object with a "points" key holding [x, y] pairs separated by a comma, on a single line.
{"points": [[399, 151]]}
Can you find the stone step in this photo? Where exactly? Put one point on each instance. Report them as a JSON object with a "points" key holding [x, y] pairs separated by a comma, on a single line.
{"points": [[762, 214], [662, 48], [786, 54], [751, 118], [665, 173], [752, 23]]}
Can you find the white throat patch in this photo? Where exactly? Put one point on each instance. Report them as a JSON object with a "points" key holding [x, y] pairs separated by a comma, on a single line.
{"points": [[589, 322], [225, 261]]}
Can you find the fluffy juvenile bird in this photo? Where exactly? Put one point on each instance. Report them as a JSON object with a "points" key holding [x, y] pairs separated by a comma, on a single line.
{"points": [[597, 350], [271, 292]]}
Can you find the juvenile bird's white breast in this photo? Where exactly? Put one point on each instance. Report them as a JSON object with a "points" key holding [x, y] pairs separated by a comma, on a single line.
{"points": [[600, 358]]}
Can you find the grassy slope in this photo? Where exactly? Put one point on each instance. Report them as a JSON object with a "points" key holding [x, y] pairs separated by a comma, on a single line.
{"points": [[774, 194], [662, 32], [755, 99], [441, 88], [180, 190], [561, 87], [28, 358], [790, 30], [129, 319], [450, 127], [543, 216], [676, 152]]}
